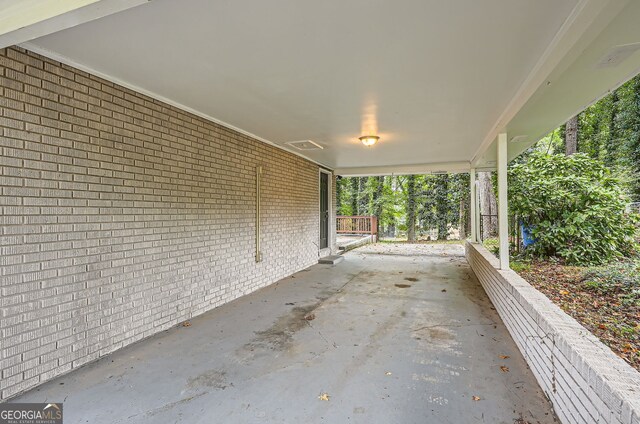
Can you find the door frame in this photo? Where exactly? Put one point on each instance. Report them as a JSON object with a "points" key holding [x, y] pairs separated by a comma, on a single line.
{"points": [[331, 224]]}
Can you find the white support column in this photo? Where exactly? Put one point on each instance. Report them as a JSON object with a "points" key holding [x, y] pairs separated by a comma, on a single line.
{"points": [[474, 200], [503, 216], [478, 232]]}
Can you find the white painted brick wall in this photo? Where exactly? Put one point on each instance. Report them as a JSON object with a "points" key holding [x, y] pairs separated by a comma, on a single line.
{"points": [[583, 378], [123, 216]]}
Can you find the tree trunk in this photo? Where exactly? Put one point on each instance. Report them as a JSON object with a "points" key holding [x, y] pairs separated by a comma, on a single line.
{"points": [[339, 196], [488, 205], [354, 196], [442, 205], [411, 208], [363, 198], [464, 212], [571, 136], [391, 230], [494, 207], [464, 215], [377, 200]]}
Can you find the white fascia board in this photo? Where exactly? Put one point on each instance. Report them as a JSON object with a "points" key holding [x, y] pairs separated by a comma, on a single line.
{"points": [[585, 22], [26, 20], [417, 169]]}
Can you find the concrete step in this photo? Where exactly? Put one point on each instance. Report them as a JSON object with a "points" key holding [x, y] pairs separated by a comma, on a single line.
{"points": [[331, 260], [355, 243]]}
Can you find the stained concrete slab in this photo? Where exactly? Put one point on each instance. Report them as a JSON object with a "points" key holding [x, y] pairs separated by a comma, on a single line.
{"points": [[394, 334]]}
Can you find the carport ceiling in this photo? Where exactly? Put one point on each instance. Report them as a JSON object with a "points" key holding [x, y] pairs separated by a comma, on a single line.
{"points": [[434, 79]]}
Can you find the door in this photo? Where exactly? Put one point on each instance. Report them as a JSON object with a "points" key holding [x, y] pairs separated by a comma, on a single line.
{"points": [[324, 210]]}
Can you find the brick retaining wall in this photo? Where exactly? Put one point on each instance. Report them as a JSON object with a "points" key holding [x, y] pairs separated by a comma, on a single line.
{"points": [[585, 381]]}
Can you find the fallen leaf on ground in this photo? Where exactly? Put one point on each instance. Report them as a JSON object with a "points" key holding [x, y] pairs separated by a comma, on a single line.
{"points": [[602, 313], [475, 398], [444, 290], [505, 356], [324, 396], [186, 324], [310, 317], [564, 292], [504, 369]]}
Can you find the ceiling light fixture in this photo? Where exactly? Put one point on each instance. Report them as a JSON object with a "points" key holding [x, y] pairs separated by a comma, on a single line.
{"points": [[369, 140]]}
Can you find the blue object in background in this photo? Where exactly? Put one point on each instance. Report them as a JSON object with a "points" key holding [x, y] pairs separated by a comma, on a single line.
{"points": [[527, 240]]}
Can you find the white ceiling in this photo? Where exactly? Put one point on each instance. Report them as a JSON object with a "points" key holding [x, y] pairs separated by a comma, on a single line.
{"points": [[432, 78]]}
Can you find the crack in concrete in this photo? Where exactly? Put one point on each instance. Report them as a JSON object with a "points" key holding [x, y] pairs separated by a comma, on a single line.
{"points": [[334, 344]]}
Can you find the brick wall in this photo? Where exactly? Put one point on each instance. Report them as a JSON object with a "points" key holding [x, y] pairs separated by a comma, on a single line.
{"points": [[123, 216], [585, 381]]}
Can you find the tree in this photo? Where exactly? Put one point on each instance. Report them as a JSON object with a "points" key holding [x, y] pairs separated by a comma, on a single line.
{"points": [[571, 136], [339, 195], [392, 208], [632, 127], [354, 195], [377, 200], [443, 206], [411, 208], [608, 131], [488, 205], [414, 204], [461, 200], [363, 196], [613, 136], [573, 206]]}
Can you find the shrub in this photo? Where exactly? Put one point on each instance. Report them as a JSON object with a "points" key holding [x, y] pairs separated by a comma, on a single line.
{"points": [[574, 208]]}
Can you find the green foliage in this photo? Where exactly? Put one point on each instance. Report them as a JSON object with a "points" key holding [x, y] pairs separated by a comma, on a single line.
{"points": [[519, 266], [574, 207], [433, 202], [609, 131], [440, 203], [492, 245], [630, 123], [621, 278]]}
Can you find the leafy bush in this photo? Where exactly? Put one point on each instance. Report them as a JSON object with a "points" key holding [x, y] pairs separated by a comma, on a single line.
{"points": [[574, 208]]}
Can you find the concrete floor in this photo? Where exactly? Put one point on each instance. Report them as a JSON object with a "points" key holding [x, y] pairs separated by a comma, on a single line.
{"points": [[402, 334]]}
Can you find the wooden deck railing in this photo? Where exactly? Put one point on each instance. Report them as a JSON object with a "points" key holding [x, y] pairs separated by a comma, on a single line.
{"points": [[357, 225]]}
